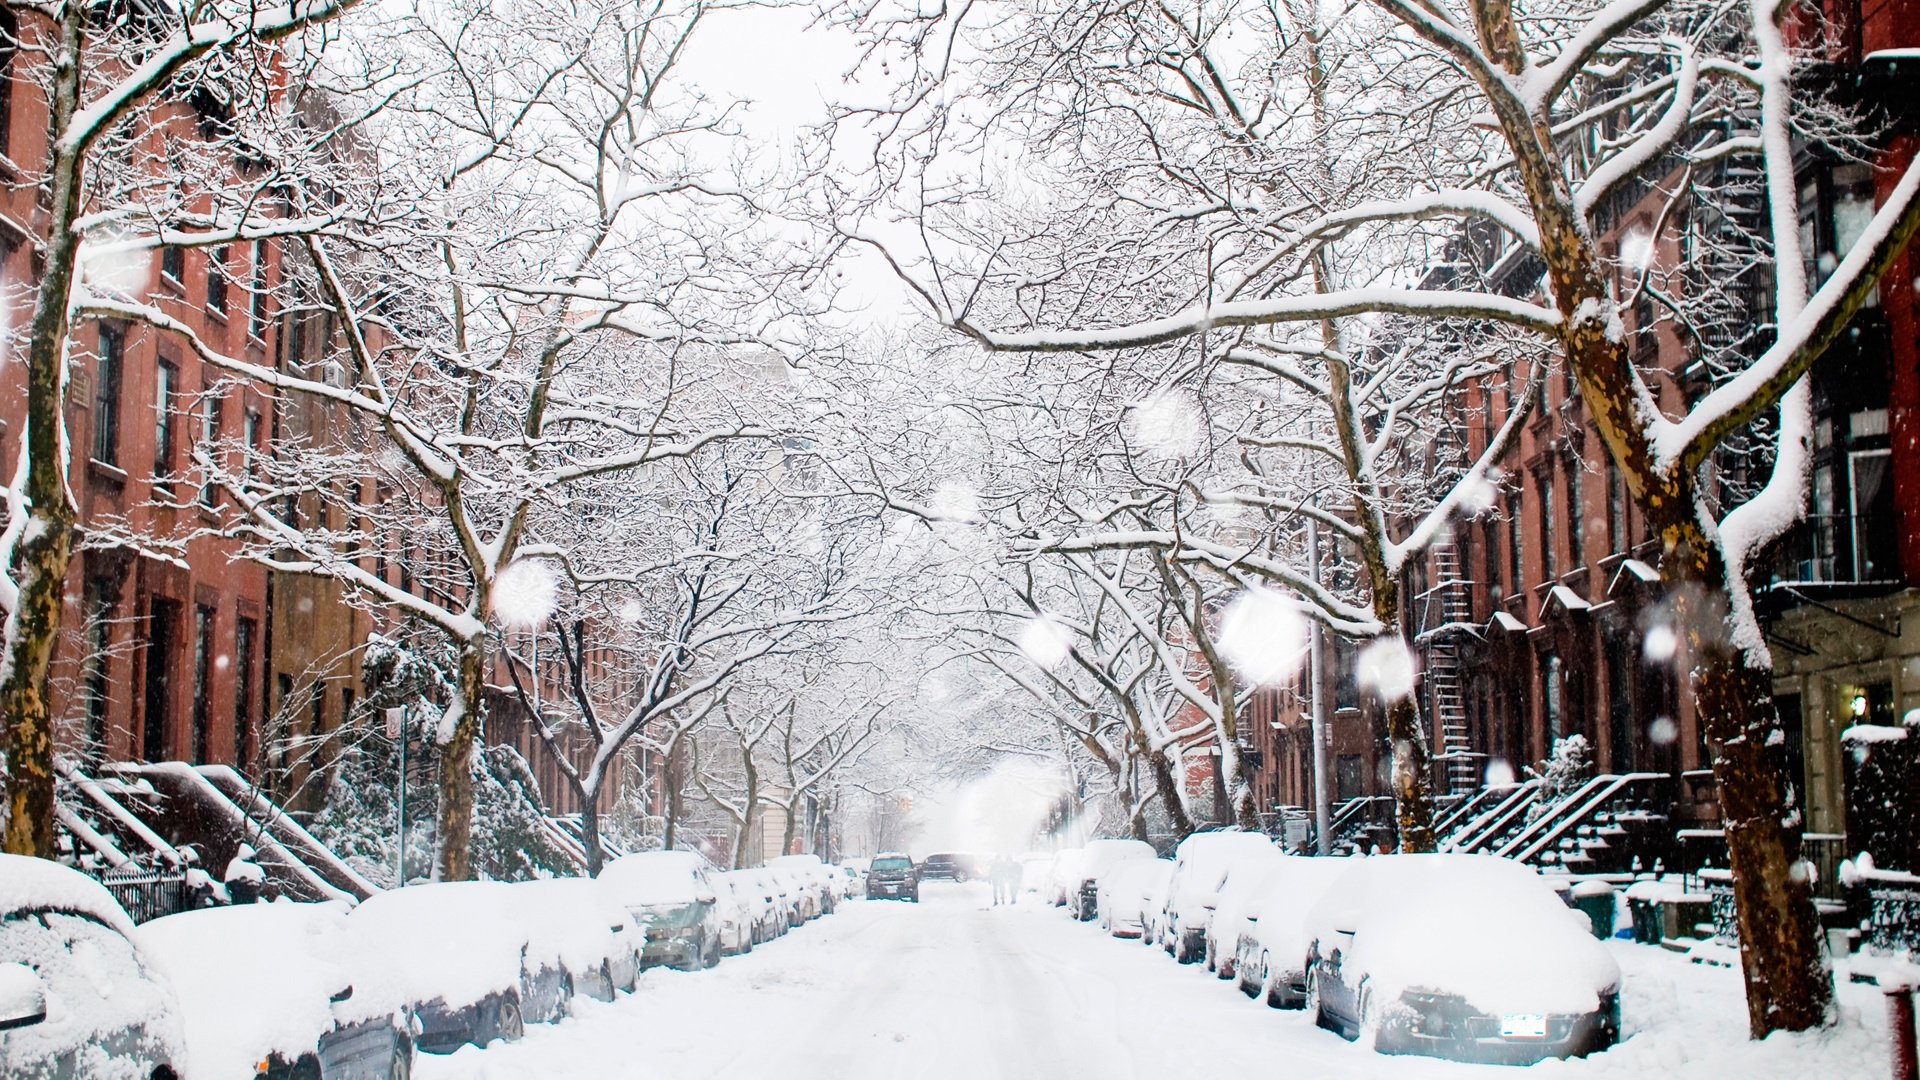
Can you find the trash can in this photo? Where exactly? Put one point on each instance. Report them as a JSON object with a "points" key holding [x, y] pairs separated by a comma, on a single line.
{"points": [[1648, 919], [1594, 899]]}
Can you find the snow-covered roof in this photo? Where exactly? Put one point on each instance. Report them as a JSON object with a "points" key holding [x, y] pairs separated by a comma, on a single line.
{"points": [[1565, 599], [1632, 572], [655, 878], [458, 941], [1506, 623], [28, 884]]}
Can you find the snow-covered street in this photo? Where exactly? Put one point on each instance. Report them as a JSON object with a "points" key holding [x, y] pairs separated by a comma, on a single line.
{"points": [[953, 987]]}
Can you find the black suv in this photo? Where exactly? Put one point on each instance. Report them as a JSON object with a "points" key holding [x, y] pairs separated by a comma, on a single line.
{"points": [[947, 866], [893, 875]]}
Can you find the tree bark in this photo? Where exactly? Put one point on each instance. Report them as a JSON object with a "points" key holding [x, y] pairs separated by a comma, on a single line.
{"points": [[1170, 795], [45, 549], [672, 780], [1783, 951], [455, 843], [590, 831]]}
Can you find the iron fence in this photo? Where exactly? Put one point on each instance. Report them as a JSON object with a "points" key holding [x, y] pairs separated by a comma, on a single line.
{"points": [[148, 894]]}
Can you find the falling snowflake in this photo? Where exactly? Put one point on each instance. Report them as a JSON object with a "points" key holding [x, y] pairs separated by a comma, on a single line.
{"points": [[1499, 773], [1663, 731], [1045, 642], [1660, 644], [1263, 636], [1168, 424], [524, 594], [1386, 668]]}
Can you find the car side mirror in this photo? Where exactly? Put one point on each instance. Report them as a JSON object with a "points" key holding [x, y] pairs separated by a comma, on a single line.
{"points": [[23, 997], [704, 898], [342, 994]]}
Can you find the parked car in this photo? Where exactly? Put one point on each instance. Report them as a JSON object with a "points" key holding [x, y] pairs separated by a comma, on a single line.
{"points": [[947, 866], [451, 954], [1036, 873], [1270, 955], [779, 916], [893, 875], [672, 896], [1096, 859], [579, 923], [1062, 876], [1469, 957], [856, 876], [1246, 879], [1200, 866], [261, 985], [815, 876], [78, 997], [802, 895], [1128, 892]]}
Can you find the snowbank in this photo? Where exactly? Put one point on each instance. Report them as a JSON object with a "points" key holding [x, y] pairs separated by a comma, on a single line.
{"points": [[456, 941], [571, 922]]}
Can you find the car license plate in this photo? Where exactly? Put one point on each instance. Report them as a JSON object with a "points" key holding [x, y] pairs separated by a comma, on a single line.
{"points": [[1523, 1026]]}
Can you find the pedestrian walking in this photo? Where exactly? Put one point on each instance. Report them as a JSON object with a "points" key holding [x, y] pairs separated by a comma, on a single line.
{"points": [[1006, 881]]}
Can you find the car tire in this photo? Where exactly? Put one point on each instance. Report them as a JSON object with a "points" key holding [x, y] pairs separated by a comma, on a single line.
{"points": [[401, 1067], [507, 1022], [307, 1067], [1316, 1008]]}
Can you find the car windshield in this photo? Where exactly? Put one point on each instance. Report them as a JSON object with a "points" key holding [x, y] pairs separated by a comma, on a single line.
{"points": [[892, 864]]}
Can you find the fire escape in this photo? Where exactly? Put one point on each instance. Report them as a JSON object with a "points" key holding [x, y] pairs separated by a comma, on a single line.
{"points": [[1446, 621]]}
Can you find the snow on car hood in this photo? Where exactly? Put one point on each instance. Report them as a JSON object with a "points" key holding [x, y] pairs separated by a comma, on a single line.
{"points": [[570, 921], [654, 879], [1201, 864], [1488, 930], [106, 1007], [252, 980], [457, 941]]}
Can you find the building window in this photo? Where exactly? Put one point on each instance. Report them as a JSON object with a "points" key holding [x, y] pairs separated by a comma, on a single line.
{"points": [[97, 686], [245, 630], [1516, 545], [1543, 492], [257, 302], [173, 263], [1836, 205], [1576, 509], [163, 633], [106, 396], [166, 386], [9, 48], [202, 680], [1555, 686], [250, 434], [1616, 508], [209, 435], [217, 280]]}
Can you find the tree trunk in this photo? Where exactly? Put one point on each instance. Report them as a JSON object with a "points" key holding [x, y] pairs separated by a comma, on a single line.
{"points": [[786, 842], [671, 780], [45, 549], [590, 831], [749, 815], [1170, 794], [455, 843], [1783, 951], [1412, 776]]}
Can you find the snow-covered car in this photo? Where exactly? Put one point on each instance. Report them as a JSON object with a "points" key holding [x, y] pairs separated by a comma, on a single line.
{"points": [[816, 876], [1470, 957], [451, 953], [737, 907], [779, 914], [892, 874], [673, 897], [1246, 881], [802, 897], [1125, 894], [260, 984], [1200, 866], [1270, 955], [78, 998], [1096, 860], [1062, 875], [577, 924], [856, 870], [1036, 873]]}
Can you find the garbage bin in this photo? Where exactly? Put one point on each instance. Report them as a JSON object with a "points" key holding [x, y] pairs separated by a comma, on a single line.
{"points": [[1648, 919], [1594, 899]]}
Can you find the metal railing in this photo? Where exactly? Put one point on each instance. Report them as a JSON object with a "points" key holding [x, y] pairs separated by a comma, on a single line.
{"points": [[148, 894]]}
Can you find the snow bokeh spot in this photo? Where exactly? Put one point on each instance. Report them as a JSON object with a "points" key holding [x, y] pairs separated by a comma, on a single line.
{"points": [[1386, 668], [1663, 731], [631, 612], [1045, 642], [525, 594], [1660, 644], [1263, 636], [1500, 772], [111, 268], [1168, 424]]}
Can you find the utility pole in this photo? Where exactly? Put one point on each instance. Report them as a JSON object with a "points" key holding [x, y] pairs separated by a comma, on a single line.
{"points": [[1317, 659]]}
